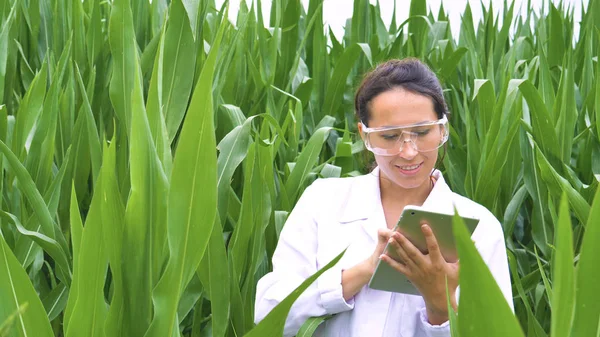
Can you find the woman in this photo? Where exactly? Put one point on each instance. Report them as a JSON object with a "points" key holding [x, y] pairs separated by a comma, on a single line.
{"points": [[402, 120]]}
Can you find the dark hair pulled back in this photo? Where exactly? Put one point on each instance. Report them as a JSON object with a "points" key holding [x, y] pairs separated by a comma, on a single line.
{"points": [[409, 74]]}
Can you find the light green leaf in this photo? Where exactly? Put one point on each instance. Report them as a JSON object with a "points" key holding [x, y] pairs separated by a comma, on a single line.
{"points": [[178, 65], [16, 290], [337, 83], [273, 323], [121, 36], [310, 326], [40, 209], [192, 199], [480, 294], [563, 275], [587, 309], [559, 185], [305, 162]]}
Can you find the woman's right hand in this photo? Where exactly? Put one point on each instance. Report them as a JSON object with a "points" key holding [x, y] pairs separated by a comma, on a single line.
{"points": [[355, 278], [383, 237]]}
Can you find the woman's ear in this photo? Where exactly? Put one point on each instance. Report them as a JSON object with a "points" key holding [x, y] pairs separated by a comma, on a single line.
{"points": [[360, 130]]}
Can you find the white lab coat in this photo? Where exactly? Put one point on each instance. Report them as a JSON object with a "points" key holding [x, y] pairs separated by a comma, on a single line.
{"points": [[336, 213]]}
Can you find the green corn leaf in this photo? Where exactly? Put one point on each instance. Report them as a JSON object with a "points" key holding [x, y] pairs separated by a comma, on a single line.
{"points": [[122, 45], [543, 130], [310, 326], [6, 326], [16, 290], [272, 325], [240, 239], [192, 199], [337, 83], [76, 234], [49, 228], [155, 111], [56, 301], [112, 213], [48, 244], [178, 65], [29, 110], [451, 62], [556, 43], [597, 100], [533, 322], [233, 148], [144, 244], [587, 310], [418, 29], [94, 35], [559, 185], [93, 141], [215, 277], [452, 317], [566, 110], [563, 274], [86, 306], [480, 294], [305, 162], [4, 49]]}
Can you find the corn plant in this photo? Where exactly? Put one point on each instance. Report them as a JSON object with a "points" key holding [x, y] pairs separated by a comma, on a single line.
{"points": [[152, 150]]}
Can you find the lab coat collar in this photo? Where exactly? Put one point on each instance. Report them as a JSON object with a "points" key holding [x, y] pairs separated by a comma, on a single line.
{"points": [[365, 198]]}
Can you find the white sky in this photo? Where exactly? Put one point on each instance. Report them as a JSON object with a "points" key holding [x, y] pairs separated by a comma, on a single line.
{"points": [[335, 12]]}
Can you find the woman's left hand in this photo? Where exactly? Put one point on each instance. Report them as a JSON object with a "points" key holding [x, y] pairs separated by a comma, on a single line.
{"points": [[427, 272]]}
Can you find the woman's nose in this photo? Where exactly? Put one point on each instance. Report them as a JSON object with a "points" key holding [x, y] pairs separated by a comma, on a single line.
{"points": [[408, 149]]}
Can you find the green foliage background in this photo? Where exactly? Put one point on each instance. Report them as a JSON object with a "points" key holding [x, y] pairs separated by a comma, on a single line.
{"points": [[153, 150]]}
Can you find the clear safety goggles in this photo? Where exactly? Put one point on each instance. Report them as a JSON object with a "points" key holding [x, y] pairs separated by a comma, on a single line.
{"points": [[390, 140]]}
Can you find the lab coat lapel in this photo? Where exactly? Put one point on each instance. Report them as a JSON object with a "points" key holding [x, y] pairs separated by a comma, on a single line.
{"points": [[440, 198], [364, 204]]}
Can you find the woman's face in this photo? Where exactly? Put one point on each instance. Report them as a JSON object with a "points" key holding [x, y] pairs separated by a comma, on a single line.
{"points": [[409, 169]]}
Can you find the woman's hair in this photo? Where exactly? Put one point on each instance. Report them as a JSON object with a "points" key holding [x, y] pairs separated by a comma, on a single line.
{"points": [[409, 74]]}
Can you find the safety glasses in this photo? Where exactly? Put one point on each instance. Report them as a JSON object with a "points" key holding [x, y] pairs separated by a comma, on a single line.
{"points": [[390, 140]]}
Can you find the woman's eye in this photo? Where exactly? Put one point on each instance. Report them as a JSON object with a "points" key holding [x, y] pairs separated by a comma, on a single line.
{"points": [[422, 133], [389, 136]]}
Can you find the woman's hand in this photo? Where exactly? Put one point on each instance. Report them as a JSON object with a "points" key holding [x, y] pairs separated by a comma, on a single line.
{"points": [[383, 237], [355, 278], [427, 272]]}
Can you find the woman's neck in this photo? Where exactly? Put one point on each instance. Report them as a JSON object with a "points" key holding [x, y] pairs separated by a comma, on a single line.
{"points": [[401, 196]]}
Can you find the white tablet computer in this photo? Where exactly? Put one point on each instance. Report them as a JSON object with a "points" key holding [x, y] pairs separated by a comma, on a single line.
{"points": [[387, 278]]}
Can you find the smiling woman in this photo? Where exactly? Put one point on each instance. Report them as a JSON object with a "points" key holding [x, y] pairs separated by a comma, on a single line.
{"points": [[402, 119]]}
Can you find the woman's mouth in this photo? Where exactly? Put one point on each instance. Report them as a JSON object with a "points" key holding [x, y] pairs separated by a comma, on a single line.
{"points": [[409, 169]]}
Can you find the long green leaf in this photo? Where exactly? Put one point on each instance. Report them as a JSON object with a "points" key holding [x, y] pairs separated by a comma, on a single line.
{"points": [[543, 131], [48, 226], [155, 111], [179, 60], [192, 199], [310, 326], [558, 185], [4, 49], [88, 308], [587, 310], [337, 83], [272, 325], [480, 294], [144, 238], [122, 45], [16, 290], [307, 159], [215, 277], [563, 300]]}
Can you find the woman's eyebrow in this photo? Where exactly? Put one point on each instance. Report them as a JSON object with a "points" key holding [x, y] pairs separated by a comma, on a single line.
{"points": [[406, 125]]}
